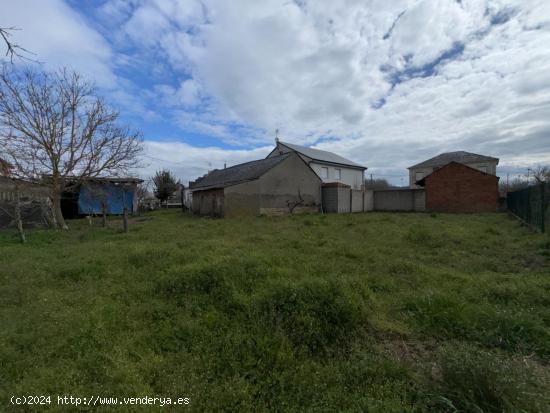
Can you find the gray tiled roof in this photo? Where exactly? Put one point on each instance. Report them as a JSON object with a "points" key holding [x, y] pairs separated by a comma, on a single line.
{"points": [[323, 156], [458, 156], [220, 178]]}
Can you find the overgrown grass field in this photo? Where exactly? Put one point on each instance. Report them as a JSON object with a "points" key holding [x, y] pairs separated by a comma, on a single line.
{"points": [[370, 312]]}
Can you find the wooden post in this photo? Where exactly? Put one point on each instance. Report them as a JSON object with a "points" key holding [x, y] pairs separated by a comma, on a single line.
{"points": [[17, 214], [351, 200], [104, 213], [124, 210], [125, 219], [542, 207], [182, 198]]}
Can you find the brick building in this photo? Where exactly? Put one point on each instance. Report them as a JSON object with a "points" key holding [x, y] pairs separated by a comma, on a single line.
{"points": [[459, 188]]}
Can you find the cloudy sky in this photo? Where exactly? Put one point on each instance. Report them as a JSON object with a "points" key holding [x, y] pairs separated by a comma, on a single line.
{"points": [[384, 83]]}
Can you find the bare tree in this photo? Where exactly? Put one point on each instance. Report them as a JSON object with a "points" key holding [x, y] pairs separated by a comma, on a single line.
{"points": [[376, 184], [295, 203], [540, 173], [142, 191], [513, 184], [55, 128]]}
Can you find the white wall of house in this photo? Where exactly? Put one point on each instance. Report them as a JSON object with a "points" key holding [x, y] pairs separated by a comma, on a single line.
{"points": [[330, 173], [417, 174]]}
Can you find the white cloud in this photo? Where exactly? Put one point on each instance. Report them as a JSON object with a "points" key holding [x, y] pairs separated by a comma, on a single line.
{"points": [[57, 35], [384, 83], [314, 69], [188, 162]]}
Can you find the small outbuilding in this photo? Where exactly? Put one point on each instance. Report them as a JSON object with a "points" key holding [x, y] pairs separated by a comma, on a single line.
{"points": [[459, 188], [91, 196], [272, 186]]}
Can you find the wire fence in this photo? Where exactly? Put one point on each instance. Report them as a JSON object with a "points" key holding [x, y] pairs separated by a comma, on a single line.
{"points": [[530, 205]]}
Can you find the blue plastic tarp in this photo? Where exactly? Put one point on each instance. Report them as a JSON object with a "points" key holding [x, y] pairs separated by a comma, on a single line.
{"points": [[92, 197]]}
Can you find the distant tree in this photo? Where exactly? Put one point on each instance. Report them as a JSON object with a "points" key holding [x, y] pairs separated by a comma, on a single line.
{"points": [[378, 183], [540, 173], [165, 184], [512, 185], [142, 192], [54, 126]]}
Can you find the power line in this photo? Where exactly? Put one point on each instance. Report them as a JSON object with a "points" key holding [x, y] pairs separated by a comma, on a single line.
{"points": [[160, 160]]}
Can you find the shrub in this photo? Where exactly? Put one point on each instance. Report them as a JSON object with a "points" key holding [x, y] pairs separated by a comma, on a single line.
{"points": [[315, 316]]}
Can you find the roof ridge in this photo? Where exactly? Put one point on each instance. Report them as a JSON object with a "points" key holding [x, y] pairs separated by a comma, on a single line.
{"points": [[446, 157], [313, 153], [242, 172], [248, 162]]}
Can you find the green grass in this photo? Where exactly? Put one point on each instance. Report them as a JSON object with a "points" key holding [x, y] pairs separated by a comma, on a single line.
{"points": [[370, 312]]}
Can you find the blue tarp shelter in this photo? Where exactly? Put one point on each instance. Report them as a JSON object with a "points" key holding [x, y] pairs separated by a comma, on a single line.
{"points": [[89, 195], [92, 197]]}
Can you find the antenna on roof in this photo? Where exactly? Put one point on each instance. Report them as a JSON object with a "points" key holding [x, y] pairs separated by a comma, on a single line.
{"points": [[276, 135]]}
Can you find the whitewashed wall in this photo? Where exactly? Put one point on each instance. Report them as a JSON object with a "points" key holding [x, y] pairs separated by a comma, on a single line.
{"points": [[349, 176]]}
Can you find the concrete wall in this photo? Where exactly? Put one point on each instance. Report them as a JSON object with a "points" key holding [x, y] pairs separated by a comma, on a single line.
{"points": [[209, 202], [458, 188], [399, 200], [357, 200], [242, 199], [369, 200], [286, 183], [338, 199], [490, 166]]}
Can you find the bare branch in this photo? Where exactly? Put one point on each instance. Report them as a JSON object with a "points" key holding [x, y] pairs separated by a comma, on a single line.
{"points": [[13, 49]]}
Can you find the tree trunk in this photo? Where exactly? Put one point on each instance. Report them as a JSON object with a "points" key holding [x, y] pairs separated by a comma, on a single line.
{"points": [[56, 201], [17, 214], [104, 212], [183, 199], [125, 219]]}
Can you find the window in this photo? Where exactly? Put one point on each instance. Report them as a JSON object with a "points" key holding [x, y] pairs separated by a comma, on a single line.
{"points": [[324, 172], [337, 174]]}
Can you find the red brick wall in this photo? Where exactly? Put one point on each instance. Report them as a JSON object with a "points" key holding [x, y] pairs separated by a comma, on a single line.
{"points": [[459, 188]]}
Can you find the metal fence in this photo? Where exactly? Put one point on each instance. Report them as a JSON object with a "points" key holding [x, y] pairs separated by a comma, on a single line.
{"points": [[530, 205]]}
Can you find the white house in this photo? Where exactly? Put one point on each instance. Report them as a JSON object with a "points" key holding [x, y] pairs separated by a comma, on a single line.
{"points": [[327, 165]]}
